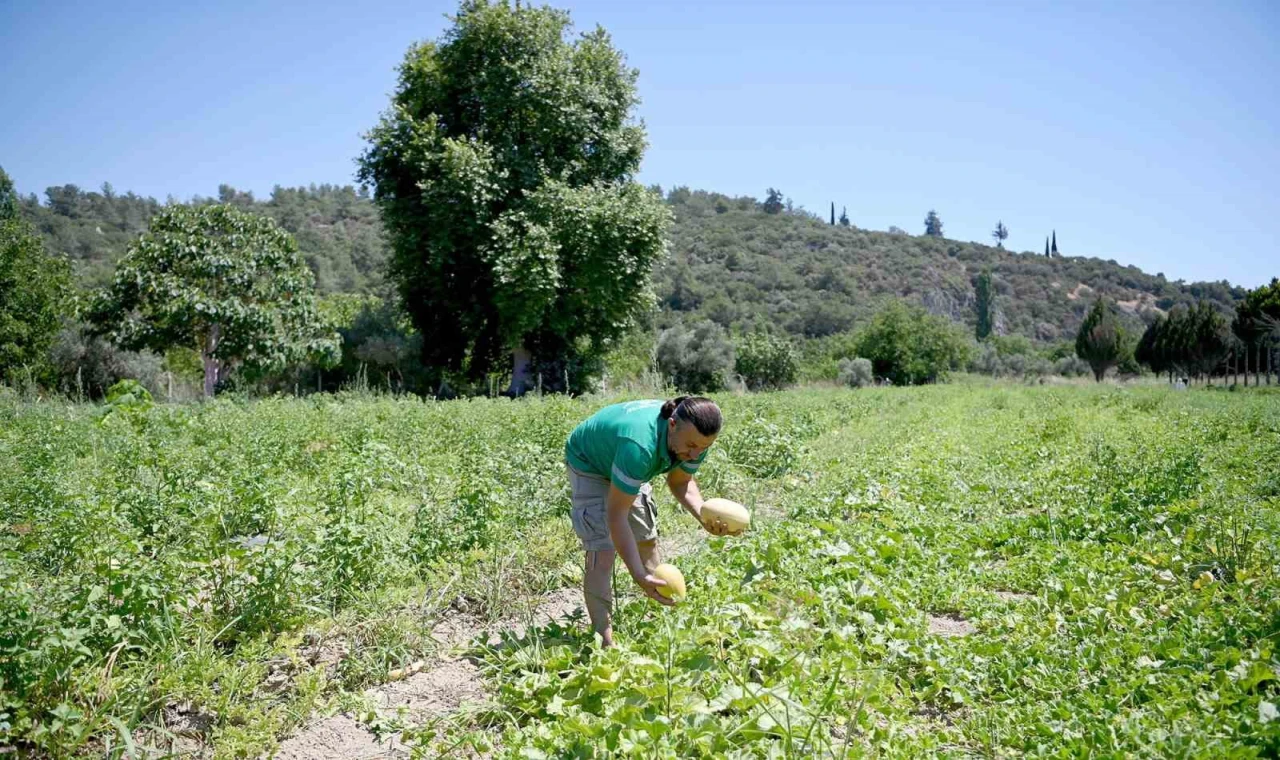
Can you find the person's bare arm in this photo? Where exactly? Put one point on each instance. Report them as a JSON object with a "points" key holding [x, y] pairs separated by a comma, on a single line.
{"points": [[624, 542], [685, 489]]}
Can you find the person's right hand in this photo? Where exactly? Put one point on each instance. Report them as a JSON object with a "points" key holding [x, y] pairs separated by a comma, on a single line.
{"points": [[649, 584]]}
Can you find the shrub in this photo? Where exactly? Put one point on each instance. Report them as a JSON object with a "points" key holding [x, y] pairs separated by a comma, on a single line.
{"points": [[767, 362], [697, 358], [910, 346], [1071, 366], [856, 373], [89, 366]]}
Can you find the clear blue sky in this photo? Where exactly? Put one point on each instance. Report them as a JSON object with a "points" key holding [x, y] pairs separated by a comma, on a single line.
{"points": [[1143, 131]]}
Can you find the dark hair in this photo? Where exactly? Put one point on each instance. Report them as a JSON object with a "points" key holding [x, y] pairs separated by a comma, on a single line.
{"points": [[702, 412]]}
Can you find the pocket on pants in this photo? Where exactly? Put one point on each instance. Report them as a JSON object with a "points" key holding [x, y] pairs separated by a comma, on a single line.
{"points": [[643, 517]]}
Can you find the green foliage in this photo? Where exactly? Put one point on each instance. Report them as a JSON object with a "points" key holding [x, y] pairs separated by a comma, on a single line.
{"points": [[766, 362], [380, 351], [1152, 349], [632, 359], [909, 346], [773, 202], [503, 168], [85, 366], [257, 562], [834, 621], [1256, 322], [746, 269], [1194, 341], [730, 263], [933, 224], [856, 373], [1000, 234], [34, 290], [8, 198], [696, 359], [982, 305], [225, 281], [1100, 340], [1207, 336], [128, 399]]}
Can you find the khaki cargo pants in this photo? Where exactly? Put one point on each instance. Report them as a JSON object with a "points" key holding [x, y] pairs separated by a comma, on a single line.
{"points": [[590, 499]]}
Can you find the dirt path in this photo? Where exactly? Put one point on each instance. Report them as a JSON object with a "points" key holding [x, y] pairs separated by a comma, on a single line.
{"points": [[447, 685]]}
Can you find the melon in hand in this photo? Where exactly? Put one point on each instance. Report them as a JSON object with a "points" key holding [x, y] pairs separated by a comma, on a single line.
{"points": [[731, 513], [675, 581]]}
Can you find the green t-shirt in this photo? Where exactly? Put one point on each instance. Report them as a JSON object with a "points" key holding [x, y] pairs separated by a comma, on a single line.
{"points": [[626, 444]]}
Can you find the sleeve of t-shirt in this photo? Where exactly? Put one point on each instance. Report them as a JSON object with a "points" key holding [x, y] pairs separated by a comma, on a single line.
{"points": [[630, 465], [692, 467]]}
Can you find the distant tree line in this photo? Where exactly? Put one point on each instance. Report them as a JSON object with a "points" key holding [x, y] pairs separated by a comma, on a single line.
{"points": [[1195, 343]]}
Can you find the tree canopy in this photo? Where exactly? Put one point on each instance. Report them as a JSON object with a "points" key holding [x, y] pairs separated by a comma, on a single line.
{"points": [[223, 281], [503, 170], [909, 346], [33, 293], [1100, 340]]}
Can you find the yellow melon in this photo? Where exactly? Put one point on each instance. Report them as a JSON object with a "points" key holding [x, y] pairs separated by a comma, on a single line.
{"points": [[732, 513], [675, 581]]}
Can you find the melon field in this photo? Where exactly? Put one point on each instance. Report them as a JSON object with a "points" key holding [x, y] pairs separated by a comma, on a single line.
{"points": [[966, 570]]}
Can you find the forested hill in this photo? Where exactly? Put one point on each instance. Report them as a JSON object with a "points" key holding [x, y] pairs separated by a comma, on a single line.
{"points": [[337, 229], [731, 261], [734, 263]]}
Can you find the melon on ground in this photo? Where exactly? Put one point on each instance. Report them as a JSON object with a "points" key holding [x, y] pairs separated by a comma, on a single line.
{"points": [[732, 513], [675, 581]]}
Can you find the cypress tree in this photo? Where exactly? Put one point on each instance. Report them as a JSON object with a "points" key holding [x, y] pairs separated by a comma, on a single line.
{"points": [[982, 304], [1100, 340]]}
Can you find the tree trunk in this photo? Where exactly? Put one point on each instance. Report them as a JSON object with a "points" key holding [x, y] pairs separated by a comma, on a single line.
{"points": [[211, 365], [521, 376]]}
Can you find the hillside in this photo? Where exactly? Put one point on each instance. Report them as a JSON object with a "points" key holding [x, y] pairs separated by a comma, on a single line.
{"points": [[737, 265], [730, 262], [337, 228]]}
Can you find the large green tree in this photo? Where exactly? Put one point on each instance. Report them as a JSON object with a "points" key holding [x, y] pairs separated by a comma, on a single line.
{"points": [[1153, 347], [1208, 339], [503, 170], [1257, 325], [33, 290], [226, 282], [1100, 340]]}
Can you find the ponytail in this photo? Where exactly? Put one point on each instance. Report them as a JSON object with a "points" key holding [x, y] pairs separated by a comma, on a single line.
{"points": [[670, 407], [702, 412]]}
